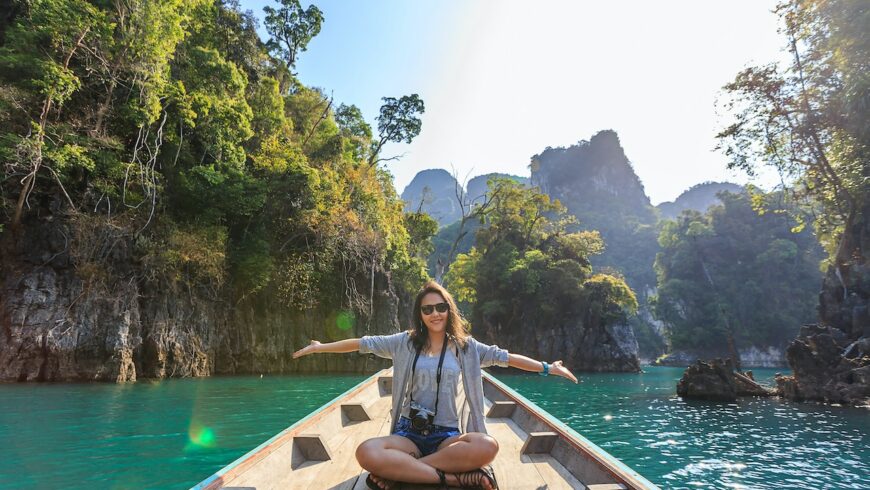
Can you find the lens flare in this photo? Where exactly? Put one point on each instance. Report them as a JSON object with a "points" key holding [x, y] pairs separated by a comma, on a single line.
{"points": [[344, 320], [201, 437]]}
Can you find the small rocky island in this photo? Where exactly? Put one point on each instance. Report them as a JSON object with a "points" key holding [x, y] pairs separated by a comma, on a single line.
{"points": [[717, 380], [826, 367]]}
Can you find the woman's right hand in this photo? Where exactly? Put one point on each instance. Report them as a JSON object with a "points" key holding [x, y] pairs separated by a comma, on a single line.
{"points": [[308, 349]]}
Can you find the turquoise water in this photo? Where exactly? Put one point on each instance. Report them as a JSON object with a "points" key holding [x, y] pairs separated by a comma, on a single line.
{"points": [[755, 443], [173, 434], [167, 434]]}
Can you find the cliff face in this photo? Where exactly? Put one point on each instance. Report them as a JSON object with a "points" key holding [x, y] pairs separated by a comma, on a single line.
{"points": [[831, 361], [437, 189], [62, 323], [595, 181], [844, 302], [590, 348]]}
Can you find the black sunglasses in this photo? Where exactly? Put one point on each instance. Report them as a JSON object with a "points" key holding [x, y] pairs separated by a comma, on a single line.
{"points": [[440, 308]]}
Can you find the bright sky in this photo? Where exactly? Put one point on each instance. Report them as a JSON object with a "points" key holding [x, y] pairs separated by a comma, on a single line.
{"points": [[504, 79]]}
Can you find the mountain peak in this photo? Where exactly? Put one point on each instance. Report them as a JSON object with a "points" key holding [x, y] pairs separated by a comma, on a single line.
{"points": [[698, 197], [591, 174]]}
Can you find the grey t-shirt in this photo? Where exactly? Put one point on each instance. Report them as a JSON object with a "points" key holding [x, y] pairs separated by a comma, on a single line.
{"points": [[424, 387]]}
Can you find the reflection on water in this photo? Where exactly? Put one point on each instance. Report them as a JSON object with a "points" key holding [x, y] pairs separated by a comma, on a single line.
{"points": [[754, 443]]}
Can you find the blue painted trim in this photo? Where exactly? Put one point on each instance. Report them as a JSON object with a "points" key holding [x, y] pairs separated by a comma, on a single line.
{"points": [[225, 469], [561, 425]]}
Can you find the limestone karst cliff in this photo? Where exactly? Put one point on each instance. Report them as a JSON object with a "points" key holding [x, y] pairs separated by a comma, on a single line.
{"points": [[61, 322]]}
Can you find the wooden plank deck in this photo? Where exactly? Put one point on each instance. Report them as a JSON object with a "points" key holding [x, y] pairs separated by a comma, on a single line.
{"points": [[294, 459]]}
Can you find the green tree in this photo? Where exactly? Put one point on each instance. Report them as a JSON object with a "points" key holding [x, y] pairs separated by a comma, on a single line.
{"points": [[524, 255], [42, 48], [355, 129], [291, 28], [732, 277], [809, 119], [172, 126], [398, 121]]}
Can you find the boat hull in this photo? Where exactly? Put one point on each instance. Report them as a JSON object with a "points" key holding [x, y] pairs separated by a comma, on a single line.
{"points": [[536, 450]]}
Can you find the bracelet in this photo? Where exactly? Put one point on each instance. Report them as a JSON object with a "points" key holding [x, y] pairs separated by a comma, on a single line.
{"points": [[546, 371]]}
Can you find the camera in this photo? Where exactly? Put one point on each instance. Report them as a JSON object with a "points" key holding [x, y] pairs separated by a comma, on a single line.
{"points": [[421, 418]]}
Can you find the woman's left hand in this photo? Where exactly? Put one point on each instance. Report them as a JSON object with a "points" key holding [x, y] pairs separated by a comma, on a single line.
{"points": [[559, 370]]}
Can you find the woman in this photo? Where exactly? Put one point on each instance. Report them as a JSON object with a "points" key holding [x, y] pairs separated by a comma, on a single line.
{"points": [[426, 445]]}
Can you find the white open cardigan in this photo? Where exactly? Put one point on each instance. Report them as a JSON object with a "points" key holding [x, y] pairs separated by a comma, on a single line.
{"points": [[475, 356]]}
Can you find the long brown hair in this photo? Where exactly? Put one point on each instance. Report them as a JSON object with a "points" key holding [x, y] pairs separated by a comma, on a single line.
{"points": [[457, 326]]}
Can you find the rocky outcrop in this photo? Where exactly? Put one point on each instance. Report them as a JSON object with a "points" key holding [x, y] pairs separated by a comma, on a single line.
{"points": [[717, 380], [61, 322], [582, 347], [844, 302], [434, 192], [437, 189], [828, 367], [597, 184], [830, 362], [713, 380], [747, 386]]}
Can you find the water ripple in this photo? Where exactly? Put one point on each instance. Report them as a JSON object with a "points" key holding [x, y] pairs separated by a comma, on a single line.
{"points": [[753, 443]]}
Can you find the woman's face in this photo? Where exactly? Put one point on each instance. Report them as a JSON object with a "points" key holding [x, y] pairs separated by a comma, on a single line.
{"points": [[436, 321]]}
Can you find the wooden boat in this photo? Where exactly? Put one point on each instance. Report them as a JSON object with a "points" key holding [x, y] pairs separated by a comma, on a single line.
{"points": [[537, 451]]}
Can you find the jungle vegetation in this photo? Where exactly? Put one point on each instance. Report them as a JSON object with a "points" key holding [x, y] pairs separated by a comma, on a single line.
{"points": [[172, 125], [745, 272]]}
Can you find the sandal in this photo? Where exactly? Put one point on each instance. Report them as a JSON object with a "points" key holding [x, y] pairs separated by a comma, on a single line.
{"points": [[442, 485], [473, 479]]}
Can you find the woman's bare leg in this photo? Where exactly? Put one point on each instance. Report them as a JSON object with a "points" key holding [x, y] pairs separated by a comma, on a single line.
{"points": [[462, 453], [395, 458]]}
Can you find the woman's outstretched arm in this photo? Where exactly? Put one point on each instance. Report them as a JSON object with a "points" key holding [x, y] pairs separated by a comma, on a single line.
{"points": [[347, 345], [529, 364]]}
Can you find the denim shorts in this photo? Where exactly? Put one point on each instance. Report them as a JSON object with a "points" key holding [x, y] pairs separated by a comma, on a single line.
{"points": [[426, 444]]}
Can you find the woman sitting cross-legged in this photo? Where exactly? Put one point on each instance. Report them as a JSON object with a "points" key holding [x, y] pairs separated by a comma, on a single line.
{"points": [[434, 365]]}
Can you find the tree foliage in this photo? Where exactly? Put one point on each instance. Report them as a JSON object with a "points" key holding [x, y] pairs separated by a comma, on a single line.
{"points": [[524, 255], [808, 119], [398, 121], [175, 119], [735, 272], [292, 28]]}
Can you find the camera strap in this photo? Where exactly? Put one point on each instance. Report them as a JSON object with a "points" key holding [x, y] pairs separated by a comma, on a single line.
{"points": [[437, 373]]}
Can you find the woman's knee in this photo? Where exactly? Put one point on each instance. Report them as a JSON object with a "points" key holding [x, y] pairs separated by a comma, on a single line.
{"points": [[485, 447], [367, 452], [489, 447]]}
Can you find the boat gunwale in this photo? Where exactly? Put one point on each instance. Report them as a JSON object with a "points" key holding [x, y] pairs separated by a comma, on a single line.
{"points": [[254, 456], [619, 470]]}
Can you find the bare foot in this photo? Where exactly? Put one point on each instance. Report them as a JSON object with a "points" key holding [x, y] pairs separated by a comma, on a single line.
{"points": [[382, 482], [486, 484]]}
